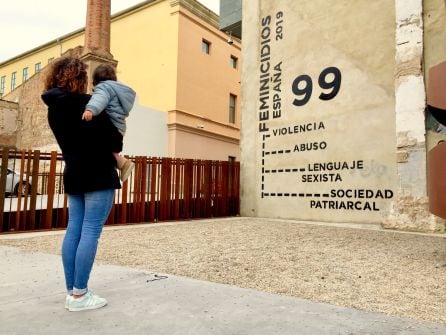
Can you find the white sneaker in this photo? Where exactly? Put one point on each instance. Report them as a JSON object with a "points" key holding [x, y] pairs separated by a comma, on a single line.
{"points": [[126, 169], [87, 301], [67, 300]]}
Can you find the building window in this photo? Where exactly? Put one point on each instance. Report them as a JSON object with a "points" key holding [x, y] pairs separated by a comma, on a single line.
{"points": [[233, 62], [2, 85], [232, 103], [37, 67], [25, 74], [50, 59], [206, 46], [13, 79]]}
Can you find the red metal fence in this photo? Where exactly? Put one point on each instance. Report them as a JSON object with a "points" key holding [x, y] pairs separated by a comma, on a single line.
{"points": [[159, 189]]}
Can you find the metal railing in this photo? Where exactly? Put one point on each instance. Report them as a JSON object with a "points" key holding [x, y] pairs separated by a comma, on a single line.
{"points": [[159, 189]]}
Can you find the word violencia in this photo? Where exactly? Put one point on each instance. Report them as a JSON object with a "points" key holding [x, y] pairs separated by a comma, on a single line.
{"points": [[299, 128]]}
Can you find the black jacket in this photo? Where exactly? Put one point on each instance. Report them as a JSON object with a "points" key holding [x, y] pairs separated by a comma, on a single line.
{"points": [[438, 113], [86, 146]]}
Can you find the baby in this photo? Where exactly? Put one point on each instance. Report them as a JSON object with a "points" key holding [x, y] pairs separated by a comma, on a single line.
{"points": [[117, 100]]}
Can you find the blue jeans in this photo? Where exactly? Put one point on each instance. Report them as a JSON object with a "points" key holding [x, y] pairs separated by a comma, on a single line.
{"points": [[87, 214]]}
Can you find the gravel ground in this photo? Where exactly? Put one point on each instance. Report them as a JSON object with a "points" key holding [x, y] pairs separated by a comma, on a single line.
{"points": [[395, 273]]}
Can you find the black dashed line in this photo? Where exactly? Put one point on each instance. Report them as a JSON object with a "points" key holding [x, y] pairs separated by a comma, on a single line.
{"points": [[290, 194], [275, 152], [280, 170]]}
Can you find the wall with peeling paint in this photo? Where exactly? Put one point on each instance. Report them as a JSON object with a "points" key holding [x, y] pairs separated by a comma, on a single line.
{"points": [[356, 68], [319, 120]]}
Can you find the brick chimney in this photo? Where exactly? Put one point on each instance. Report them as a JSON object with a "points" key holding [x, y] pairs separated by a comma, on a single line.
{"points": [[97, 27], [97, 36]]}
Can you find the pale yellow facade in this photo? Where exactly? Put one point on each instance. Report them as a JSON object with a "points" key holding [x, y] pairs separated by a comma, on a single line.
{"points": [[158, 46], [41, 55], [145, 44]]}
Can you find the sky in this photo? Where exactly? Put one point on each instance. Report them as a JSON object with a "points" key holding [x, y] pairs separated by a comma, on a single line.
{"points": [[26, 24]]}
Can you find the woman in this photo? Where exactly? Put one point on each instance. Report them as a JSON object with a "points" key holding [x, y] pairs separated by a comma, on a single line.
{"points": [[90, 176]]}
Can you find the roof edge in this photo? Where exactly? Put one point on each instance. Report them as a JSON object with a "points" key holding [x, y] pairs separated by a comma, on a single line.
{"points": [[192, 5]]}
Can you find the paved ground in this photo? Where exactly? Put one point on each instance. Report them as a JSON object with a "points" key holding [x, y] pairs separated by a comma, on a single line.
{"points": [[356, 266], [31, 302]]}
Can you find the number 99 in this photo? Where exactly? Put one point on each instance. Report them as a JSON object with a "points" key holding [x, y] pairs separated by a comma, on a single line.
{"points": [[335, 84], [306, 90]]}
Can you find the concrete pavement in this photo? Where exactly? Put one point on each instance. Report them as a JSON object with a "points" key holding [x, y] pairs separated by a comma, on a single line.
{"points": [[32, 302]]}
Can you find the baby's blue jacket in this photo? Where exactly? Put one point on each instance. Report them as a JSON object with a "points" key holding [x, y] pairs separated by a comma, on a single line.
{"points": [[115, 98]]}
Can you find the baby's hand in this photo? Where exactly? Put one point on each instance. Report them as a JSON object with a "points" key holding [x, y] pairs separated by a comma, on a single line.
{"points": [[87, 116]]}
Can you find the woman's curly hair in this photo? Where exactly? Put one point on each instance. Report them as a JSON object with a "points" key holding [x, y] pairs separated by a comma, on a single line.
{"points": [[68, 73]]}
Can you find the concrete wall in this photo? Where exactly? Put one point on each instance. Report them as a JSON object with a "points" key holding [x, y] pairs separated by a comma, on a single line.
{"points": [[333, 106], [146, 132]]}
